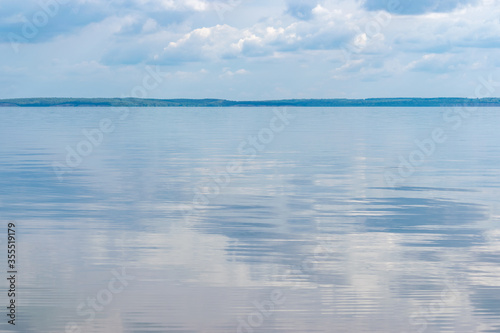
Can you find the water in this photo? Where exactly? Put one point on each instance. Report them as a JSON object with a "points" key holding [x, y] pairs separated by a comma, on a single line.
{"points": [[176, 220]]}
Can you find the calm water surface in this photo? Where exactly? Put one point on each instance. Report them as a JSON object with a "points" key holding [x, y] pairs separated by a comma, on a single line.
{"points": [[237, 220]]}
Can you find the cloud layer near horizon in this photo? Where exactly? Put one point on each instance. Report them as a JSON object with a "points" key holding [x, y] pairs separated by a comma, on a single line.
{"points": [[248, 49]]}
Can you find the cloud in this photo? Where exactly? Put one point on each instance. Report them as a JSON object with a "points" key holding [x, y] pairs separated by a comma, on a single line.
{"points": [[438, 63], [476, 27], [413, 7], [39, 21], [199, 44], [327, 31], [285, 45], [300, 9], [227, 73], [34, 22], [172, 5]]}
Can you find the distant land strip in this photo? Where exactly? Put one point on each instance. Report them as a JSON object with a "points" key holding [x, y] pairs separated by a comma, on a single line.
{"points": [[139, 102]]}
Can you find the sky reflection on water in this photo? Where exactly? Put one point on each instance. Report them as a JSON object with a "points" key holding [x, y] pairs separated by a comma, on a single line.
{"points": [[310, 216]]}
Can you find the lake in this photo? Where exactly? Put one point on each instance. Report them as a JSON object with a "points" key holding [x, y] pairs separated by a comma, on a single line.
{"points": [[252, 219]]}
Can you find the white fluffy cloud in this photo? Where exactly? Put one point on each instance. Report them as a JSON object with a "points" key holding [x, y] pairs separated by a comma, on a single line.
{"points": [[349, 41], [327, 30]]}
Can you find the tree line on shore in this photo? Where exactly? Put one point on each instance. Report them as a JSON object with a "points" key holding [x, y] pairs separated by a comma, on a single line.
{"points": [[139, 102]]}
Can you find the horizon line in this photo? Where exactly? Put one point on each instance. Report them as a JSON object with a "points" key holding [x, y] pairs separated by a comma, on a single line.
{"points": [[214, 102]]}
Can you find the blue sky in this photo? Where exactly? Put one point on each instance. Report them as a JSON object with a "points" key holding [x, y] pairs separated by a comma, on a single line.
{"points": [[248, 49]]}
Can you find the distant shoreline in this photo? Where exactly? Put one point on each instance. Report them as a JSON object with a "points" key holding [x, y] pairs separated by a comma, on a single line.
{"points": [[138, 102]]}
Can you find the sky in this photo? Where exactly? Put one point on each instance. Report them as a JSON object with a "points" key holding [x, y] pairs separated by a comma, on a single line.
{"points": [[248, 49]]}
